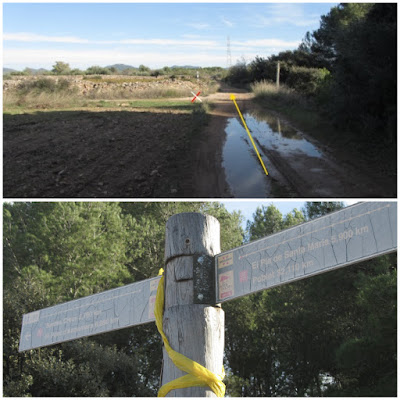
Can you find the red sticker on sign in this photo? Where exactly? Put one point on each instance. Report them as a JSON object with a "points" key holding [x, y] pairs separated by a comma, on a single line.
{"points": [[225, 285], [243, 277]]}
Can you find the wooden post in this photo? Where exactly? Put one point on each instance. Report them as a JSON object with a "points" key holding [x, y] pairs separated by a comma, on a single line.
{"points": [[278, 71], [195, 330]]}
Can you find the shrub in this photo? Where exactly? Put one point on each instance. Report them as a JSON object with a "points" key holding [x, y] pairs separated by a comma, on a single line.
{"points": [[76, 71], [306, 80], [17, 73], [44, 85], [96, 70], [262, 69], [239, 74], [269, 91]]}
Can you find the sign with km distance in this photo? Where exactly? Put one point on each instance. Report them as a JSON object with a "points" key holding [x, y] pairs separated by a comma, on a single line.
{"points": [[103, 312], [351, 235]]}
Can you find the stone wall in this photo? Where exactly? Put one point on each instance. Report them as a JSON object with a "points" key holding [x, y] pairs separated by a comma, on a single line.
{"points": [[89, 85]]}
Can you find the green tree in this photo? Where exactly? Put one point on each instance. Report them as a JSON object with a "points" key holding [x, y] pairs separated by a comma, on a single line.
{"points": [[252, 343], [357, 43], [61, 68], [143, 68], [317, 209], [268, 220]]}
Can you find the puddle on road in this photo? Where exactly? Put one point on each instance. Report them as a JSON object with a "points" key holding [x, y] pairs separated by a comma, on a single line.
{"points": [[243, 170]]}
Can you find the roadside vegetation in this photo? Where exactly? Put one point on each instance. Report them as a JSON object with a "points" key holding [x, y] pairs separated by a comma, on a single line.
{"points": [[61, 93], [342, 78], [63, 68]]}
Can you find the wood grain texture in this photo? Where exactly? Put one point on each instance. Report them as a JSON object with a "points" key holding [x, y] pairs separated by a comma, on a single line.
{"points": [[190, 233], [179, 282], [195, 330]]}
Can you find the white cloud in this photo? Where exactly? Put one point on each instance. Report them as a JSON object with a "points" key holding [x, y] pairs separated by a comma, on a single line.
{"points": [[20, 58], [285, 13], [34, 38], [228, 23], [164, 42], [199, 25], [270, 43], [191, 36]]}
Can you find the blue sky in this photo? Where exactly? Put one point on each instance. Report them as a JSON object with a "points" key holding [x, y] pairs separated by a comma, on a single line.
{"points": [[86, 34]]}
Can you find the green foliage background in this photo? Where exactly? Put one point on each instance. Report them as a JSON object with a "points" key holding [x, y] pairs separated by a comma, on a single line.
{"points": [[347, 69], [333, 334]]}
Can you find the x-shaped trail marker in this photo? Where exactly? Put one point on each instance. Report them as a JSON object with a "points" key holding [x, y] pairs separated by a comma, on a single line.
{"points": [[196, 97]]}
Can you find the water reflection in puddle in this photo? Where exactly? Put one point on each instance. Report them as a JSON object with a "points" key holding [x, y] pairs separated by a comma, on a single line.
{"points": [[279, 136], [243, 170]]}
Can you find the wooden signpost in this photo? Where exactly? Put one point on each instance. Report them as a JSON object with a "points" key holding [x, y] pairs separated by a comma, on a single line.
{"points": [[198, 278]]}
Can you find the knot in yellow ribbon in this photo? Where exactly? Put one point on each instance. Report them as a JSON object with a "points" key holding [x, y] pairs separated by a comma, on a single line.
{"points": [[197, 375]]}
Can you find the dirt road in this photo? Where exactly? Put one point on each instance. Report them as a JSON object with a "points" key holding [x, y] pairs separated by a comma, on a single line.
{"points": [[209, 173], [299, 166]]}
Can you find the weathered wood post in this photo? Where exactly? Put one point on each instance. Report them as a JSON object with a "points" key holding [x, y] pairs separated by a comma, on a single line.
{"points": [[278, 73], [192, 326]]}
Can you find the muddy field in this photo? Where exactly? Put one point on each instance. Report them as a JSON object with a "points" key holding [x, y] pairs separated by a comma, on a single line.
{"points": [[98, 154]]}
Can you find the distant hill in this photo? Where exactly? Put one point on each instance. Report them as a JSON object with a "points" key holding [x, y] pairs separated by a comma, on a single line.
{"points": [[185, 66], [38, 71], [33, 70], [121, 67], [8, 70]]}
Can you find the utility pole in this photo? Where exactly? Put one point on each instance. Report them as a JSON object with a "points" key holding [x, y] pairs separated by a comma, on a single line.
{"points": [[228, 53], [278, 71], [193, 327]]}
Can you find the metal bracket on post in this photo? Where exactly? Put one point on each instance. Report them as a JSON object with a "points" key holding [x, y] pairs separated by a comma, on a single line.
{"points": [[204, 279]]}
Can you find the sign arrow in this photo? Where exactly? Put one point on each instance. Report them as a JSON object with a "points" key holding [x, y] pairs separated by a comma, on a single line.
{"points": [[353, 234], [102, 312]]}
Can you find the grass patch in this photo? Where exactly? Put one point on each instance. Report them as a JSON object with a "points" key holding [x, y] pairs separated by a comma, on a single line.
{"points": [[38, 100], [148, 93], [298, 110], [182, 105]]}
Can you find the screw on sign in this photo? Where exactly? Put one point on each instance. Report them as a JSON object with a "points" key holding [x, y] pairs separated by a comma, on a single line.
{"points": [[353, 234]]}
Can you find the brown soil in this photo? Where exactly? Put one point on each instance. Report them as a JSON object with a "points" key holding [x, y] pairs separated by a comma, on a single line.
{"points": [[90, 154]]}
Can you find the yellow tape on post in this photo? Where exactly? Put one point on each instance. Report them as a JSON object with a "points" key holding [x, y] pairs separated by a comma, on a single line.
{"points": [[197, 374]]}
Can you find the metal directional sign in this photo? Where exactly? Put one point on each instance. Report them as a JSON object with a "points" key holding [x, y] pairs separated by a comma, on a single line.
{"points": [[351, 235], [354, 234], [114, 309]]}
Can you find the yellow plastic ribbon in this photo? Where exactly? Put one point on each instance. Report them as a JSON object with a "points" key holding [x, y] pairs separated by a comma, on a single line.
{"points": [[197, 374]]}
